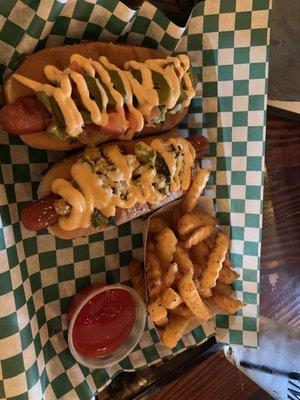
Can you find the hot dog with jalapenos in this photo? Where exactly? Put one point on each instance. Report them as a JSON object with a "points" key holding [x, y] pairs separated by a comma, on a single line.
{"points": [[113, 183], [64, 97]]}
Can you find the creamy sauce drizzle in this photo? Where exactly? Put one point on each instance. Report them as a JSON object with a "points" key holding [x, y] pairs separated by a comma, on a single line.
{"points": [[173, 69], [95, 193]]}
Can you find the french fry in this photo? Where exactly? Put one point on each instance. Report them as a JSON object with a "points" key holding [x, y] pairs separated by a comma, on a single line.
{"points": [[223, 289], [197, 283], [227, 262], [210, 242], [182, 310], [189, 293], [153, 268], [198, 267], [137, 277], [214, 264], [195, 190], [200, 252], [227, 304], [175, 217], [157, 224], [158, 312], [227, 275], [170, 275], [166, 245], [198, 235], [182, 258], [170, 299], [174, 330], [191, 221]]}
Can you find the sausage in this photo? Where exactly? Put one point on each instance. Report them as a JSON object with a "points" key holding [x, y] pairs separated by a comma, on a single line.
{"points": [[41, 213], [28, 115], [25, 115]]}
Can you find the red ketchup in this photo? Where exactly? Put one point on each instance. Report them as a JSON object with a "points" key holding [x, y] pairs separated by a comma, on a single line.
{"points": [[104, 323]]}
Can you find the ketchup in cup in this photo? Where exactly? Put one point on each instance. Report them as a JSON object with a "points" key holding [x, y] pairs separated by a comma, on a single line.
{"points": [[105, 324]]}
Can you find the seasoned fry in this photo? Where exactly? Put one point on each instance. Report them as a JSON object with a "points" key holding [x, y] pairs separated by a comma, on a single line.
{"points": [[200, 252], [197, 283], [137, 277], [166, 245], [182, 310], [190, 296], [170, 299], [222, 289], [178, 277], [215, 260], [174, 330], [170, 275], [210, 242], [153, 268], [198, 267], [158, 312], [182, 258], [195, 190], [227, 262], [157, 224], [191, 221], [227, 275], [227, 304], [175, 217], [198, 235]]}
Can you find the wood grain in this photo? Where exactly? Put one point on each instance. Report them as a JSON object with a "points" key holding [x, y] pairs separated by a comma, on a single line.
{"points": [[214, 379], [280, 272]]}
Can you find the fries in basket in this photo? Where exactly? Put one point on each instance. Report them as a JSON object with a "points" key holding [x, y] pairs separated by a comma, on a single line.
{"points": [[188, 270]]}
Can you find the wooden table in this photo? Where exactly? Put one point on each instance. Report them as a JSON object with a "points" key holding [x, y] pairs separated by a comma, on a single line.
{"points": [[206, 374], [280, 272]]}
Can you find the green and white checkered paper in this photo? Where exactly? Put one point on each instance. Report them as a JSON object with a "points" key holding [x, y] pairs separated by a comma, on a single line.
{"points": [[227, 41]]}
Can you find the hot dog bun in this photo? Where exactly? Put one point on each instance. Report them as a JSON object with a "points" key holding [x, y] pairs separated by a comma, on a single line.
{"points": [[33, 68], [122, 216], [62, 170]]}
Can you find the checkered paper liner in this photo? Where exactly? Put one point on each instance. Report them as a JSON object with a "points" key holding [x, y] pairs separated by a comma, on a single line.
{"points": [[227, 42]]}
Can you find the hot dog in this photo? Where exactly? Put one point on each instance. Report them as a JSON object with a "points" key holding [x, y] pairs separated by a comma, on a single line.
{"points": [[112, 184], [63, 97]]}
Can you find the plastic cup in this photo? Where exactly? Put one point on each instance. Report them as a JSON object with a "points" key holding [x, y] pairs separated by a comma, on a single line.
{"points": [[80, 300]]}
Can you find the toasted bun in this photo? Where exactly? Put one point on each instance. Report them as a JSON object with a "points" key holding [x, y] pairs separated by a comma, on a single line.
{"points": [[43, 141], [33, 68], [122, 216]]}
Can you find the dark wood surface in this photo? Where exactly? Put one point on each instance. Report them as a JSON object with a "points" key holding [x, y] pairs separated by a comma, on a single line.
{"points": [[214, 379], [280, 260]]}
